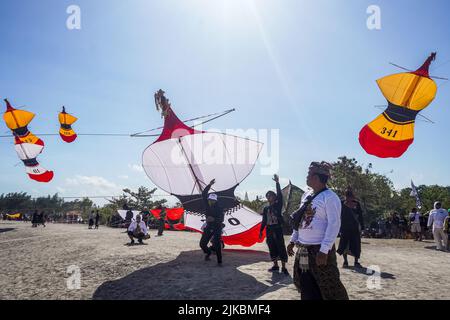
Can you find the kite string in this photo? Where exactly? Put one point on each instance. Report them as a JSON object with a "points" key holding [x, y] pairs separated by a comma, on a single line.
{"points": [[217, 115], [139, 134]]}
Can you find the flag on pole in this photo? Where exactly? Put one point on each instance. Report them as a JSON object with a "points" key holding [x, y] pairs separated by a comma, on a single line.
{"points": [[415, 193]]}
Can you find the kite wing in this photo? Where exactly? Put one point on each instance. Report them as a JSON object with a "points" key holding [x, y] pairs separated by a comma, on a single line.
{"points": [[392, 132], [185, 165], [242, 226], [65, 131], [27, 145]]}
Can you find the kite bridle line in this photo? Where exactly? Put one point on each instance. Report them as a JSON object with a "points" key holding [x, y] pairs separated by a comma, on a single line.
{"points": [[214, 115], [432, 77], [197, 180], [398, 114], [140, 134]]}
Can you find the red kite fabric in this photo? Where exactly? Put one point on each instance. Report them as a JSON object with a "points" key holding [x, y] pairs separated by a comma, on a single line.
{"points": [[173, 215]]}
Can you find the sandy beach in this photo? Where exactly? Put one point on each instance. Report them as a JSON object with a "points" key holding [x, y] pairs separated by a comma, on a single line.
{"points": [[38, 263]]}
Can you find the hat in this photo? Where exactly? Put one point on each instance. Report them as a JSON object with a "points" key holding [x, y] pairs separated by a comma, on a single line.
{"points": [[212, 196], [320, 168]]}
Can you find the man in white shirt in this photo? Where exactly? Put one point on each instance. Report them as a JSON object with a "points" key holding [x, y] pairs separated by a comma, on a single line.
{"points": [[138, 230], [436, 218], [416, 230], [316, 226]]}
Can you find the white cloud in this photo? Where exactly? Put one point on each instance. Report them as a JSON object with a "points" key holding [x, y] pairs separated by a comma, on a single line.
{"points": [[136, 167], [61, 190], [92, 181]]}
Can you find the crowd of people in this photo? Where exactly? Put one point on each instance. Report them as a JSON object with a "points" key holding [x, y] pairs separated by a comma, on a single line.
{"points": [[415, 225], [38, 219], [322, 217]]}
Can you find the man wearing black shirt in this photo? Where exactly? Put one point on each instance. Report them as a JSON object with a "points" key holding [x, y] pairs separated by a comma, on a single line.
{"points": [[272, 221], [214, 220]]}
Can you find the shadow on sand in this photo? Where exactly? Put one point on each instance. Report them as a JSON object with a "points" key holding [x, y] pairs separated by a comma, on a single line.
{"points": [[3, 230], [370, 272], [190, 277], [434, 248]]}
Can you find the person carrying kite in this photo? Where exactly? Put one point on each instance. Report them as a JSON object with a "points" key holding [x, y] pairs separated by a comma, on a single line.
{"points": [[273, 221], [214, 220]]}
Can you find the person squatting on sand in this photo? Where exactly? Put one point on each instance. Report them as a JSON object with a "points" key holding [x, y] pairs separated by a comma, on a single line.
{"points": [[436, 218], [214, 224], [351, 225], [316, 226], [416, 229], [272, 221], [138, 230]]}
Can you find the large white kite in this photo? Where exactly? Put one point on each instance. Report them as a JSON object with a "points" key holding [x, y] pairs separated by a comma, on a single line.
{"points": [[182, 161]]}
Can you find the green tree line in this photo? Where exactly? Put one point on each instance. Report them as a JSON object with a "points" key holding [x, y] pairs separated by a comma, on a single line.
{"points": [[375, 191]]}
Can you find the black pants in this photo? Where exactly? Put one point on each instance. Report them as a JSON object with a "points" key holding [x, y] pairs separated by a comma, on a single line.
{"points": [[212, 230], [319, 282], [139, 236], [161, 227], [275, 241], [309, 288]]}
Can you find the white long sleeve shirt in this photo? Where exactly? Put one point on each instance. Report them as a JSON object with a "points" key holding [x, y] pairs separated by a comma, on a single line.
{"points": [[325, 223], [436, 218], [134, 224]]}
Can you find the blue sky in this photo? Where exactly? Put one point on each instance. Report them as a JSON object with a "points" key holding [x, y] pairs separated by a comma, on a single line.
{"points": [[307, 68]]}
